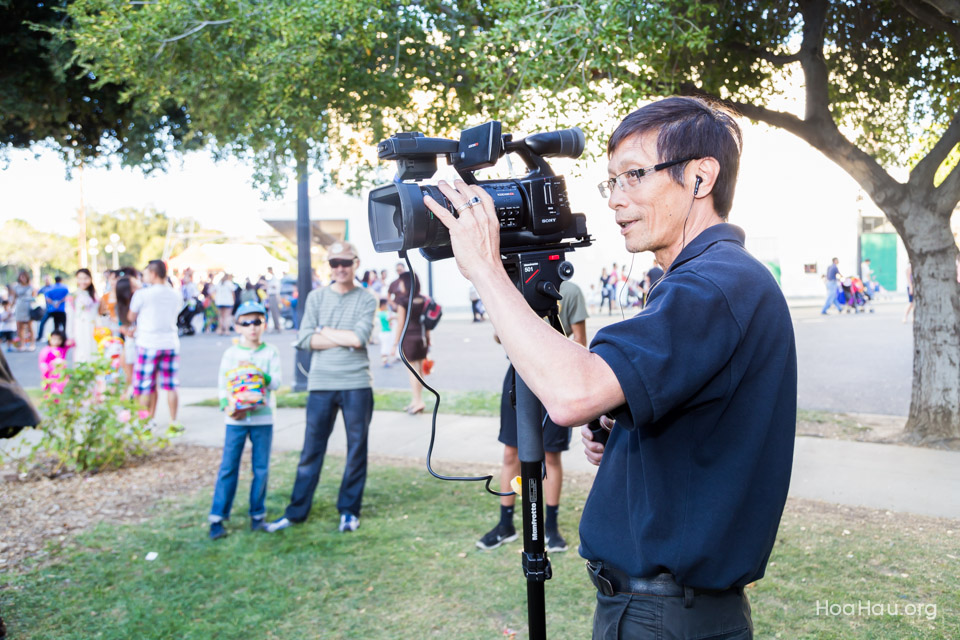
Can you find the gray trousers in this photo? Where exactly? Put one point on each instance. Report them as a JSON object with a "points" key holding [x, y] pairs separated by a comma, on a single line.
{"points": [[275, 312]]}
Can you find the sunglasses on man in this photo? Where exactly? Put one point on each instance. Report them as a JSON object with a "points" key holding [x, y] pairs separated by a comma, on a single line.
{"points": [[337, 262], [256, 322]]}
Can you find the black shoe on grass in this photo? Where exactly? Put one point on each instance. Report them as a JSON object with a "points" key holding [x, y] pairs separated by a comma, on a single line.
{"points": [[496, 537], [217, 531], [555, 542]]}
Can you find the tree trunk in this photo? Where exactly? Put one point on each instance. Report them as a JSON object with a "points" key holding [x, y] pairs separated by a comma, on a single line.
{"points": [[935, 401]]}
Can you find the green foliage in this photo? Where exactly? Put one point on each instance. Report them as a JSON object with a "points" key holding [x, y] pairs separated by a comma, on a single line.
{"points": [[47, 98], [142, 232], [90, 425], [885, 67], [271, 82], [22, 246]]}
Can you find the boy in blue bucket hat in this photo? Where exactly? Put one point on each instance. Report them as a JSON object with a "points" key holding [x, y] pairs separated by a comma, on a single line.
{"points": [[249, 371]]}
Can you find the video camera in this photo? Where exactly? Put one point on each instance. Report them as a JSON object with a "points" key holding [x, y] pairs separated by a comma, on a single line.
{"points": [[534, 211]]}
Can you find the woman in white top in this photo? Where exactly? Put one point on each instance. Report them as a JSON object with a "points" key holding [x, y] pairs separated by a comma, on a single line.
{"points": [[224, 299], [84, 318]]}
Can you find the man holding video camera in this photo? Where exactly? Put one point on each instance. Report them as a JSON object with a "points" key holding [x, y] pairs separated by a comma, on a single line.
{"points": [[698, 389]]}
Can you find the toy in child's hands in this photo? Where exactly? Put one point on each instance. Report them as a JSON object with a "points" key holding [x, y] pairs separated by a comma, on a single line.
{"points": [[246, 386]]}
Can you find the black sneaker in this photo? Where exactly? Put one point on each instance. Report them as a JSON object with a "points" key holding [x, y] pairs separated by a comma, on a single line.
{"points": [[496, 537], [217, 531], [258, 524], [555, 542]]}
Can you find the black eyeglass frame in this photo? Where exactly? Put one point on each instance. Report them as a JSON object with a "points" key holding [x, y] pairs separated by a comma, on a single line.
{"points": [[256, 322], [638, 173]]}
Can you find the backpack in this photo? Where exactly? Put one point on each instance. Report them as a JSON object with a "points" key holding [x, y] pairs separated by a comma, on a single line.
{"points": [[432, 312]]}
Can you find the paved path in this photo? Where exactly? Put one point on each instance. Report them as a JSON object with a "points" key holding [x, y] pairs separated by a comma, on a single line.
{"points": [[891, 477], [846, 363]]}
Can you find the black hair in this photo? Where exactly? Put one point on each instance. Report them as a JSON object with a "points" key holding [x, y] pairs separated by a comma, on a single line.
{"points": [[58, 332], [124, 292], [90, 289], [58, 279], [689, 127], [405, 278], [159, 268]]}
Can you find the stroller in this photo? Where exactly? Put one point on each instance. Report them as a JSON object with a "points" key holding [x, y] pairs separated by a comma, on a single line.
{"points": [[853, 295], [185, 324]]}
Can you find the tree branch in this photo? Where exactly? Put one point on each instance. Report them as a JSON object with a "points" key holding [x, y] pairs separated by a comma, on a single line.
{"points": [[775, 59], [949, 8], [933, 18], [827, 139], [922, 174], [201, 25], [947, 195]]}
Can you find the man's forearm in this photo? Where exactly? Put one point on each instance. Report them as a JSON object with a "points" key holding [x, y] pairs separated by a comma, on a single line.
{"points": [[573, 384], [328, 338]]}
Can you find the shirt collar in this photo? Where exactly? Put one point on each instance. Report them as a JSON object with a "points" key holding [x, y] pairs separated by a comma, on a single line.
{"points": [[723, 232]]}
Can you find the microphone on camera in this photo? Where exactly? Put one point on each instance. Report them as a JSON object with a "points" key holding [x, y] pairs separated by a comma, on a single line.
{"points": [[566, 143]]}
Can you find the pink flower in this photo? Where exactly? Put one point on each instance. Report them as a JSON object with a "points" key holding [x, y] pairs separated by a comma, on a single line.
{"points": [[143, 414], [124, 416]]}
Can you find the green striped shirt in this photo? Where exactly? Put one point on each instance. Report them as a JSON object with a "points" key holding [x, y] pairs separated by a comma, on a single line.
{"points": [[338, 368]]}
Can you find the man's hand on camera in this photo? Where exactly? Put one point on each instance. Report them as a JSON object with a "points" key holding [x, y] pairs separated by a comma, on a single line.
{"points": [[475, 234]]}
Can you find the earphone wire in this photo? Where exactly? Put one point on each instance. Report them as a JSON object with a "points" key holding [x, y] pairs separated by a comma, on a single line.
{"points": [[436, 405], [626, 284]]}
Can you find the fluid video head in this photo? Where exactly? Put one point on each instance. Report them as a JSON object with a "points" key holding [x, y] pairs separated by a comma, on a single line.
{"points": [[534, 211]]}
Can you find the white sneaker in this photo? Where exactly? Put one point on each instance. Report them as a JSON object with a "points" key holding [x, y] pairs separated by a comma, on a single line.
{"points": [[348, 522], [277, 525]]}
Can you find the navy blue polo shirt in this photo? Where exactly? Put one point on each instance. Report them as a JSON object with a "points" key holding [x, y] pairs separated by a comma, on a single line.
{"points": [[695, 474]]}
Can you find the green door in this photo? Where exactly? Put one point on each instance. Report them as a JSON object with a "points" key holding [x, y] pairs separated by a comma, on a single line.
{"points": [[881, 248]]}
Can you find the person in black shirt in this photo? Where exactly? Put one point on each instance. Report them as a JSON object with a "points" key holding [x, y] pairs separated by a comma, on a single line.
{"points": [[698, 389]]}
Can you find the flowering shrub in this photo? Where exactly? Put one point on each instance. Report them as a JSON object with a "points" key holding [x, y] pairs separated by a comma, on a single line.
{"points": [[91, 425]]}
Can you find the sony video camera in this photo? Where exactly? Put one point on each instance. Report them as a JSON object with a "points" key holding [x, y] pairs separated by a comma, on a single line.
{"points": [[534, 211]]}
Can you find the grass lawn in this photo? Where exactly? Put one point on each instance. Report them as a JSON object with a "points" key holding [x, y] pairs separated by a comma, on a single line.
{"points": [[466, 403], [412, 571]]}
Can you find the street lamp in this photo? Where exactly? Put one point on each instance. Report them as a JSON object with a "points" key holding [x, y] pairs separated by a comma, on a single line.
{"points": [[115, 247], [93, 250]]}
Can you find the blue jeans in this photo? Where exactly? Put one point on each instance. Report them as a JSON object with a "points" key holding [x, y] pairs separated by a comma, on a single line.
{"points": [[833, 287], [261, 437], [322, 408]]}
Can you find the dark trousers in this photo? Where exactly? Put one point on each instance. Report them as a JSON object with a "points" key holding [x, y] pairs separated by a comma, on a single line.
{"points": [[322, 408], [59, 321], [628, 616]]}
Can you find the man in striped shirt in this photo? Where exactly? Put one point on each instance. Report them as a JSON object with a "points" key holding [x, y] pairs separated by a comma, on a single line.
{"points": [[336, 325]]}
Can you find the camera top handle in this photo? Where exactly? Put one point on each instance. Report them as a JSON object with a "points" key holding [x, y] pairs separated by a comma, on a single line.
{"points": [[478, 148]]}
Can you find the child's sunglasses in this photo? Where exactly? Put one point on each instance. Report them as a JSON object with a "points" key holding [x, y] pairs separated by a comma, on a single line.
{"points": [[256, 322]]}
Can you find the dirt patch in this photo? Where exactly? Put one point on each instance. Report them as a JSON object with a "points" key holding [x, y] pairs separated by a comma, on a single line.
{"points": [[38, 511], [860, 427]]}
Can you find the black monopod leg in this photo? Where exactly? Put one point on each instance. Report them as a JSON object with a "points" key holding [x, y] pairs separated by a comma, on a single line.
{"points": [[536, 565]]}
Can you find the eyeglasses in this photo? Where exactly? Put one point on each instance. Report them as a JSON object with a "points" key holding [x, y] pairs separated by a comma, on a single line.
{"points": [[631, 179], [256, 322], [337, 262]]}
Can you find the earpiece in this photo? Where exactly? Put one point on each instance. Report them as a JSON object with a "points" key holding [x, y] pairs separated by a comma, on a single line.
{"points": [[696, 185]]}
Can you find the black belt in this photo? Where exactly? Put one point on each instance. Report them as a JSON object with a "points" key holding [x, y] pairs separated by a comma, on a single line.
{"points": [[609, 581]]}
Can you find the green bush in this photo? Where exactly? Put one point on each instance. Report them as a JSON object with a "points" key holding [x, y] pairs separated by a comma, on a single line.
{"points": [[91, 425]]}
